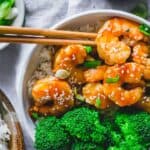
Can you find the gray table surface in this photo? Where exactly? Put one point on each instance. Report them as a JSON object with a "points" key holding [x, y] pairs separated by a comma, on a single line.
{"points": [[44, 13]]}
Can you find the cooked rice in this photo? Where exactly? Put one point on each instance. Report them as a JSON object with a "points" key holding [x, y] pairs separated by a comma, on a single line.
{"points": [[4, 135]]}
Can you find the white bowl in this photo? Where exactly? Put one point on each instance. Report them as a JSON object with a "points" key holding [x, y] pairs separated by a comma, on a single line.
{"points": [[18, 21], [32, 62]]}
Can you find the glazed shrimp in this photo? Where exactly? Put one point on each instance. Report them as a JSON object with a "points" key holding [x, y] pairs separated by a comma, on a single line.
{"points": [[116, 92], [121, 96], [147, 72], [141, 52], [68, 58], [96, 74], [111, 49], [77, 76], [94, 91], [123, 27], [52, 96], [111, 43], [131, 72]]}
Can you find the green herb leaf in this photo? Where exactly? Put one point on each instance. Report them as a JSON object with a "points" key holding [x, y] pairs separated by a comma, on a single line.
{"points": [[35, 116], [88, 49], [92, 64], [98, 102], [141, 10], [113, 80], [145, 29]]}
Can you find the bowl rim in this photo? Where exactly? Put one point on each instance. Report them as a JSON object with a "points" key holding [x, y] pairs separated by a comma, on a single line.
{"points": [[123, 14], [118, 13], [19, 4]]}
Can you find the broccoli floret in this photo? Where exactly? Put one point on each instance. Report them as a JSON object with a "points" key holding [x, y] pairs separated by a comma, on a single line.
{"points": [[129, 130], [84, 124], [83, 129], [134, 127], [78, 145], [125, 146], [50, 135]]}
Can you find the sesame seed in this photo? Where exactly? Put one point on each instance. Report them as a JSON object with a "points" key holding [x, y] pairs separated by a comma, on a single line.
{"points": [[116, 102], [73, 57], [119, 88], [112, 94], [122, 98], [147, 100], [131, 75], [128, 71], [122, 71], [56, 89], [66, 59]]}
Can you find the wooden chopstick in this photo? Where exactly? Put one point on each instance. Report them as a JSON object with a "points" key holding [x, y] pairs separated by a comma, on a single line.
{"points": [[44, 41], [45, 32]]}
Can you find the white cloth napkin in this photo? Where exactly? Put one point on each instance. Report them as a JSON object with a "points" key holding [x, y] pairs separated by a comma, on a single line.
{"points": [[44, 13]]}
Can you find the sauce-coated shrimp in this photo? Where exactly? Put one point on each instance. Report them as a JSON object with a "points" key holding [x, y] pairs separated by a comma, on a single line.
{"points": [[95, 74], [52, 96], [112, 41], [123, 27], [147, 72], [141, 52], [68, 58], [131, 72], [77, 76], [93, 92], [111, 49], [116, 92], [121, 96]]}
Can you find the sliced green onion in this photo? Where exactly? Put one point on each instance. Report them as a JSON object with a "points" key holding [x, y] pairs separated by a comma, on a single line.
{"points": [[98, 102], [35, 116], [145, 29], [92, 64], [5, 22], [79, 97], [148, 84], [128, 30], [113, 80], [75, 91], [88, 49], [141, 10], [5, 8]]}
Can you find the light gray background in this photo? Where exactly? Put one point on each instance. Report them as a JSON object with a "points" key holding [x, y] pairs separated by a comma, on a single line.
{"points": [[45, 13]]}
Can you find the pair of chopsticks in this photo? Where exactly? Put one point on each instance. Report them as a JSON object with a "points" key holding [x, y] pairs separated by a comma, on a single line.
{"points": [[11, 34]]}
